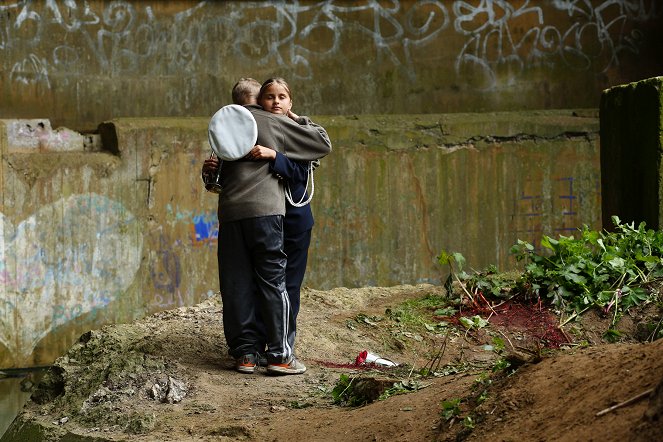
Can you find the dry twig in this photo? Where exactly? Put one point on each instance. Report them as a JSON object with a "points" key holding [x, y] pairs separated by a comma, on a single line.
{"points": [[438, 357], [626, 402]]}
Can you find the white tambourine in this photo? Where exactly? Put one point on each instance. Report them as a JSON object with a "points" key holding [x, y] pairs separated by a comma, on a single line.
{"points": [[232, 132]]}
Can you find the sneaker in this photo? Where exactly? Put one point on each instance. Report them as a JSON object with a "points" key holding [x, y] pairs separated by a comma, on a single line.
{"points": [[262, 360], [292, 367], [246, 364]]}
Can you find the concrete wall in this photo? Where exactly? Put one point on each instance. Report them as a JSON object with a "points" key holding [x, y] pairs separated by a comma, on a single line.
{"points": [[631, 149], [110, 222], [110, 227], [78, 63]]}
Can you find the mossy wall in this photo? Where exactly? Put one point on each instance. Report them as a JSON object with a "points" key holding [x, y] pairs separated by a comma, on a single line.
{"points": [[631, 148], [112, 229]]}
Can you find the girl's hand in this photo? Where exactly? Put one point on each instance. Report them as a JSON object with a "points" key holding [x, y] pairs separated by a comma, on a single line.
{"points": [[261, 153], [293, 115]]}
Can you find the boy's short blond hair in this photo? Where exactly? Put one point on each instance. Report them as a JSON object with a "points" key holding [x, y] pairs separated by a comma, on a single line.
{"points": [[246, 91]]}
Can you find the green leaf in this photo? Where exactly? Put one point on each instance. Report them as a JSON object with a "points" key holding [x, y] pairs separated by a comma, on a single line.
{"points": [[617, 263], [547, 242], [474, 322], [444, 258], [460, 260], [612, 335], [574, 277], [446, 311], [450, 408]]}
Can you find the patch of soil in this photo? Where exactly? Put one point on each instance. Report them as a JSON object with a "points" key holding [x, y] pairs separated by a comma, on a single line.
{"points": [[126, 382]]}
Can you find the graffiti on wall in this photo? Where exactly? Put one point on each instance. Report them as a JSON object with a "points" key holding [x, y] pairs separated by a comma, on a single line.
{"points": [[122, 37], [72, 257], [165, 254], [203, 225], [501, 36], [204, 229], [165, 271], [557, 209]]}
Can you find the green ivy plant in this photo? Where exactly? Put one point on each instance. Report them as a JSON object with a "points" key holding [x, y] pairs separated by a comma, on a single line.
{"points": [[599, 269], [450, 408], [606, 270], [344, 392], [482, 284]]}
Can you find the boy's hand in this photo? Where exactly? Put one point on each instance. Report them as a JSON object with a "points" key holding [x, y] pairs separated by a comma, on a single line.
{"points": [[210, 165]]}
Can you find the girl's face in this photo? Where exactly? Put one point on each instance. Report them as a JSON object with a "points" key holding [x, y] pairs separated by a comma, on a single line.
{"points": [[276, 99]]}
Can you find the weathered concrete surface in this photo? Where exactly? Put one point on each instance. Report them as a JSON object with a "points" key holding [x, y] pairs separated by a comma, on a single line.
{"points": [[398, 190], [95, 237], [81, 62], [631, 150]]}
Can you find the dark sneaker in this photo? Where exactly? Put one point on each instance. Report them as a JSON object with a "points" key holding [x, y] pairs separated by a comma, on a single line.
{"points": [[246, 364], [292, 367], [262, 361]]}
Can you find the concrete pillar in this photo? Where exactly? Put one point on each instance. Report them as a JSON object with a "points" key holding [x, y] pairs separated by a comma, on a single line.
{"points": [[631, 125]]}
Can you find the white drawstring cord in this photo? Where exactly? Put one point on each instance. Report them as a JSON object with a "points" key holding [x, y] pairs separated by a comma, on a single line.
{"points": [[301, 202]]}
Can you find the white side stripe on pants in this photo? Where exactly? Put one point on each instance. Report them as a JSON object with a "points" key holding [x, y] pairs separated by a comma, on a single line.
{"points": [[285, 300]]}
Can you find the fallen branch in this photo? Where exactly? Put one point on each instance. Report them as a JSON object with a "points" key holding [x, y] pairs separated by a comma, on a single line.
{"points": [[573, 316], [508, 340], [626, 402], [488, 304], [438, 357], [568, 339]]}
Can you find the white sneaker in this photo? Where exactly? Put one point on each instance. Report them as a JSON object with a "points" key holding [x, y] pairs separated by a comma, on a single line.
{"points": [[292, 367]]}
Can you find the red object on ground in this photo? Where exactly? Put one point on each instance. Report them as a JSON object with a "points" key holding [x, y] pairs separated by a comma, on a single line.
{"points": [[361, 358]]}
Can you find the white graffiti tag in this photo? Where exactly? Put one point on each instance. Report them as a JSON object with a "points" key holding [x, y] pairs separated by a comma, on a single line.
{"points": [[506, 39], [500, 39]]}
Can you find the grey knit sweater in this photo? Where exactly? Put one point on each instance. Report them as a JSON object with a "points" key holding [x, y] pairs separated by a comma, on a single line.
{"points": [[249, 188]]}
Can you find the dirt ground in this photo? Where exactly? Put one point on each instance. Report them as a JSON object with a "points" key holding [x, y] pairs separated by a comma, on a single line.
{"points": [[107, 383]]}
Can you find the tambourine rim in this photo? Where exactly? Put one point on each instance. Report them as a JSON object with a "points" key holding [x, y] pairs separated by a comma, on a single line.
{"points": [[235, 110]]}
